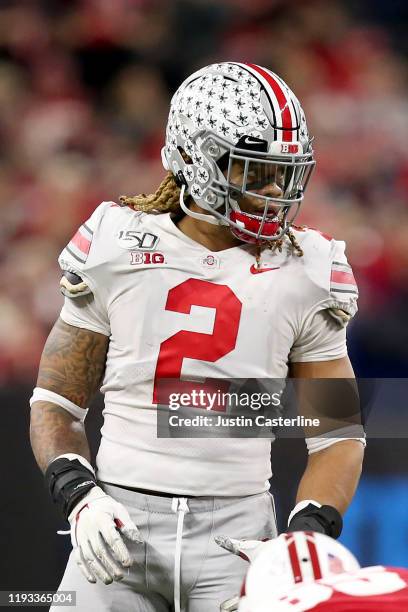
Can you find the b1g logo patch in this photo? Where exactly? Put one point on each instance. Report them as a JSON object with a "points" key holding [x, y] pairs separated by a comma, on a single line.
{"points": [[130, 239], [137, 258], [289, 148]]}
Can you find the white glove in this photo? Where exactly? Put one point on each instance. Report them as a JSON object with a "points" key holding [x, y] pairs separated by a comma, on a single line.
{"points": [[246, 549], [96, 524]]}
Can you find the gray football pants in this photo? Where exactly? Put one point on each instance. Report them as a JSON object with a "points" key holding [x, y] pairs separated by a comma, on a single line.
{"points": [[179, 560]]}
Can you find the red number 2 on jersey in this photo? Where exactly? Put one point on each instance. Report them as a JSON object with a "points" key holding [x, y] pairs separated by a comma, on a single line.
{"points": [[196, 345]]}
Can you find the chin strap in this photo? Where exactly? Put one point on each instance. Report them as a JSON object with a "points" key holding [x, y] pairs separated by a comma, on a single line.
{"points": [[191, 213]]}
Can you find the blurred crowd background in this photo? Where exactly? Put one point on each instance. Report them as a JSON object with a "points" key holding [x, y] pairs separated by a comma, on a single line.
{"points": [[84, 93]]}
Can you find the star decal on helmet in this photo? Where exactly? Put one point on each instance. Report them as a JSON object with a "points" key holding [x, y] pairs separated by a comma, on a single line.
{"points": [[242, 119], [196, 190], [212, 121], [256, 108], [198, 159], [261, 122], [189, 147], [224, 129], [202, 175], [189, 173], [253, 94]]}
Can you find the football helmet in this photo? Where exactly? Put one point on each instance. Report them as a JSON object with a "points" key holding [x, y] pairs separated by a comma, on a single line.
{"points": [[235, 130], [301, 556]]}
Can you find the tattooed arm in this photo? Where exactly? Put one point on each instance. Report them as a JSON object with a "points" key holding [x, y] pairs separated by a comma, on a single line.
{"points": [[72, 365]]}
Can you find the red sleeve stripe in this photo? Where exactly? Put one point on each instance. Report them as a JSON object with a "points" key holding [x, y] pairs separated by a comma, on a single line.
{"points": [[342, 278], [294, 561], [283, 101], [313, 556], [81, 243]]}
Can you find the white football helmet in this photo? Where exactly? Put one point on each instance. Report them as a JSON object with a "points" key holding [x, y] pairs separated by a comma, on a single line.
{"points": [[302, 556], [233, 130]]}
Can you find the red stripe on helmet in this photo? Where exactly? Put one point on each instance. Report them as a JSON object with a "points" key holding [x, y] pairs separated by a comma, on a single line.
{"points": [[311, 544], [293, 556], [282, 101]]}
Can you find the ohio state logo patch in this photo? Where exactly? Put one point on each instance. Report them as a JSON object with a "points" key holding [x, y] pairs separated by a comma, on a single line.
{"points": [[210, 261]]}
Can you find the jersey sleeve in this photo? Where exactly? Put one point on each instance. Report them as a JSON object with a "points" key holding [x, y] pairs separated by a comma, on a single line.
{"points": [[86, 313], [322, 340], [80, 255], [322, 334], [342, 301], [85, 300]]}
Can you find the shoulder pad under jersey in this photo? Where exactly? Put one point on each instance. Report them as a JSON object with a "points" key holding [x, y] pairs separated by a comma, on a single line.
{"points": [[72, 285], [326, 265]]}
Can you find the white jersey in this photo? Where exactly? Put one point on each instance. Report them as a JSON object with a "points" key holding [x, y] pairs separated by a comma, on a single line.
{"points": [[174, 309]]}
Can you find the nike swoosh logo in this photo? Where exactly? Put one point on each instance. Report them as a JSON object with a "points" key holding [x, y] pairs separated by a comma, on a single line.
{"points": [[255, 270], [249, 141]]}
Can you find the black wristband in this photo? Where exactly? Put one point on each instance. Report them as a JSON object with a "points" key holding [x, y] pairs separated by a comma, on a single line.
{"points": [[325, 520], [68, 481]]}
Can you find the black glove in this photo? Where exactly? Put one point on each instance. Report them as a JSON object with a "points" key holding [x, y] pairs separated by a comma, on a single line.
{"points": [[325, 519]]}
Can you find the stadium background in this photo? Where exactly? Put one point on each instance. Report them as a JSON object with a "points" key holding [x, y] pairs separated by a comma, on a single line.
{"points": [[84, 92]]}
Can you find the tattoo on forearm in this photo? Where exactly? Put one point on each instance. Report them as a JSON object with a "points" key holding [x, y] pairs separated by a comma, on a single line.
{"points": [[53, 432], [73, 362]]}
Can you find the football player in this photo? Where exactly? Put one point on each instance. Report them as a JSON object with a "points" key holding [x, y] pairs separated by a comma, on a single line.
{"points": [[206, 278], [308, 571]]}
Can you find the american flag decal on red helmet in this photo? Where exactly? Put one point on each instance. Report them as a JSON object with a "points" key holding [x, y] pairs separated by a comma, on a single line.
{"points": [[80, 243], [335, 564], [342, 279]]}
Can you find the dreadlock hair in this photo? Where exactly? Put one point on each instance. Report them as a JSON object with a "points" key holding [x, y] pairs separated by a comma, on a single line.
{"points": [[167, 199], [278, 244]]}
